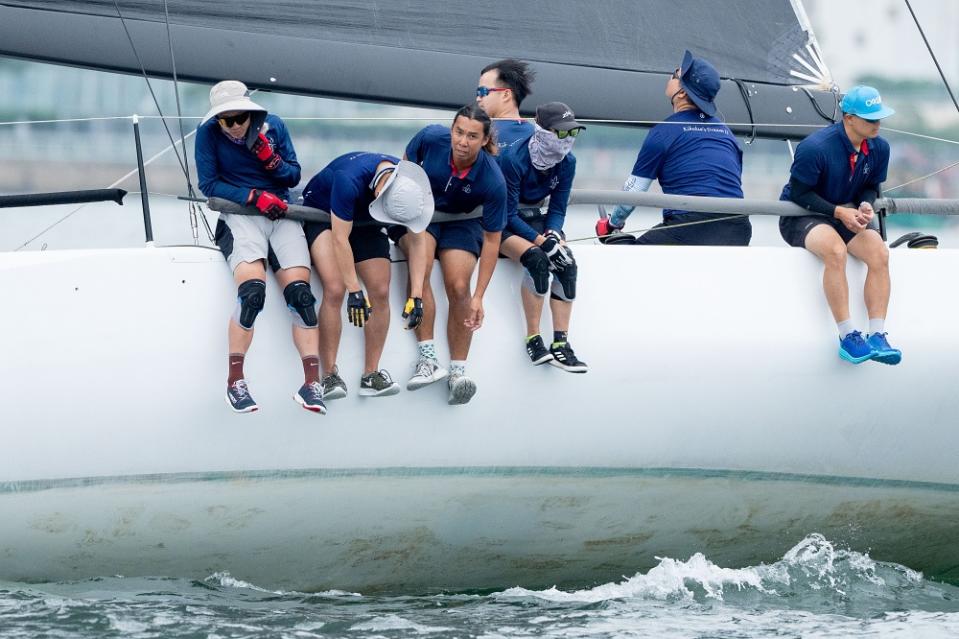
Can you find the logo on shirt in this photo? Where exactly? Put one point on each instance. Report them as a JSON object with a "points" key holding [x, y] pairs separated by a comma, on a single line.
{"points": [[466, 188], [554, 182], [865, 169]]}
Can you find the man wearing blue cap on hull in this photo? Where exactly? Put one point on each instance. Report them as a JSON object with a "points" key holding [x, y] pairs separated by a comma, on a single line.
{"points": [[692, 153], [836, 175]]}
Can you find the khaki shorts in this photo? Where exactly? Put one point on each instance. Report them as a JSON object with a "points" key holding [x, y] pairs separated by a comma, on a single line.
{"points": [[248, 238]]}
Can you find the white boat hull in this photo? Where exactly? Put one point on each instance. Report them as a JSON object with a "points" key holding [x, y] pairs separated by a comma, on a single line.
{"points": [[716, 416]]}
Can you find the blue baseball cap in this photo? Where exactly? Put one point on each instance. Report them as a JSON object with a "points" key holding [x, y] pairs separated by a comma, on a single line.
{"points": [[700, 81], [866, 103]]}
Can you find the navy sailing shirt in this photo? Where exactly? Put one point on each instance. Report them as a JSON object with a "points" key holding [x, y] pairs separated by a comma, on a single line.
{"points": [[508, 132], [839, 173], [692, 154], [343, 187], [228, 169], [525, 184], [483, 185]]}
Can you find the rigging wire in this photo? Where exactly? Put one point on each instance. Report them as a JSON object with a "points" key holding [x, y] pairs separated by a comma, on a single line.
{"points": [[942, 75]]}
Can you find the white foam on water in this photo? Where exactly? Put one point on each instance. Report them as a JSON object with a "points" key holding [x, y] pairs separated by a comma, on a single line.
{"points": [[127, 626], [395, 622]]}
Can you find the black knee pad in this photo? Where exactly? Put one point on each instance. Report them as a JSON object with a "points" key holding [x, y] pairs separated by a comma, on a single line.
{"points": [[250, 297], [537, 269], [302, 304], [564, 283]]}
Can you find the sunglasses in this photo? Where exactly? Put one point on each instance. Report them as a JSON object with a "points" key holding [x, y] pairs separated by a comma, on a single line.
{"points": [[231, 120], [676, 74], [482, 92], [562, 135]]}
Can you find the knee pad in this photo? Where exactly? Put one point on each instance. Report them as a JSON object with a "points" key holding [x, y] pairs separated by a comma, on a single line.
{"points": [[537, 270], [250, 297], [564, 283], [302, 304]]}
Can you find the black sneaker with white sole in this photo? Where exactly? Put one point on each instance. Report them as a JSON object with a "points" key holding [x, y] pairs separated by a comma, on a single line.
{"points": [[565, 358], [378, 384], [333, 385], [537, 351], [239, 398]]}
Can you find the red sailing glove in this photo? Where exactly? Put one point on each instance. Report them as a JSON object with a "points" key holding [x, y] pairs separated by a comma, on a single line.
{"points": [[264, 153], [604, 227], [267, 203]]}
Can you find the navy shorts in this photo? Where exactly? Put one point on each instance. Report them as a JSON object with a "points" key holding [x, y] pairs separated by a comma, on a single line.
{"points": [[466, 235], [736, 231], [368, 242], [795, 229]]}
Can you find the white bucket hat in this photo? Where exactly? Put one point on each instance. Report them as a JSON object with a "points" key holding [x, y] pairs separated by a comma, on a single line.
{"points": [[406, 198], [230, 95]]}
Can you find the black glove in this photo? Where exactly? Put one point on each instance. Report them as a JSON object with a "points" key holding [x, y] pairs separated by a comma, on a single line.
{"points": [[559, 256], [358, 310], [413, 312]]}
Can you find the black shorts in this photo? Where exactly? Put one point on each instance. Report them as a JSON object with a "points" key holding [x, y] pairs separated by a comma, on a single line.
{"points": [[737, 231], [795, 229], [367, 242], [465, 236]]}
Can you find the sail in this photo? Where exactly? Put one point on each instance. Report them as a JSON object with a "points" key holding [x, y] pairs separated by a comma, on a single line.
{"points": [[608, 60]]}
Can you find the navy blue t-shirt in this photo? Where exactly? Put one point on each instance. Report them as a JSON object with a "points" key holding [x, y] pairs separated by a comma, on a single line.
{"points": [[823, 162], [482, 186], [343, 186], [525, 184], [694, 154], [229, 170], [510, 131]]}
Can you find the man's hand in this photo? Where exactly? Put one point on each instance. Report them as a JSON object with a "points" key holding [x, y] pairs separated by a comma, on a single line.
{"points": [[849, 218], [413, 312], [866, 213], [267, 204], [475, 317], [559, 256], [358, 310], [264, 152]]}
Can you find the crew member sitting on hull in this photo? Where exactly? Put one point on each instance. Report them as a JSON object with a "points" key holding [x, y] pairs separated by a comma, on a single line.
{"points": [[245, 155], [503, 86], [692, 153], [464, 175], [836, 174], [538, 166], [363, 192]]}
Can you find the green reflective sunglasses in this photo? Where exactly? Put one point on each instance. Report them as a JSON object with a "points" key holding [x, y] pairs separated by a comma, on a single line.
{"points": [[562, 135]]}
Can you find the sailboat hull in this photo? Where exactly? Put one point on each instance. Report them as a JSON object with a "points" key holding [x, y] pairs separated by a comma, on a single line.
{"points": [[715, 417]]}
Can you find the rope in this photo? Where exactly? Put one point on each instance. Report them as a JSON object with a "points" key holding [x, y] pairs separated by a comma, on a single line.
{"points": [[724, 218]]}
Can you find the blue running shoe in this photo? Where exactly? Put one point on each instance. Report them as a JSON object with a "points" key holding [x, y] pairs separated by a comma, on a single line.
{"points": [[239, 398], [310, 397], [885, 353], [853, 348]]}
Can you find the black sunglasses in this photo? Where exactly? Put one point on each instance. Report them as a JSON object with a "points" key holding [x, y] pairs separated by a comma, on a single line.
{"points": [[231, 120], [676, 74]]}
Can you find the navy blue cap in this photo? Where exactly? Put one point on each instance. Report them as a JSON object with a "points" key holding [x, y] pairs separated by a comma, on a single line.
{"points": [[700, 81]]}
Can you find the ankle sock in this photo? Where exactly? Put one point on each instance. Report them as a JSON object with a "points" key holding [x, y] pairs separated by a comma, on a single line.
{"points": [[235, 372], [427, 349], [458, 366], [845, 328], [559, 338], [877, 325], [530, 338]]}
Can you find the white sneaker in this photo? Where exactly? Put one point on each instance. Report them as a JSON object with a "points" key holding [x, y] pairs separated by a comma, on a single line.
{"points": [[428, 370], [462, 389]]}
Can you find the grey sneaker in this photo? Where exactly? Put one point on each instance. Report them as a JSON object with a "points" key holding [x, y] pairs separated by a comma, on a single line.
{"points": [[310, 397], [239, 398], [333, 385], [428, 370], [462, 389], [378, 384]]}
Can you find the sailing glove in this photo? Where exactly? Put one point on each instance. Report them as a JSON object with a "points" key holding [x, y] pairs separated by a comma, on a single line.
{"points": [[605, 227], [413, 312], [263, 151], [267, 203], [358, 310], [559, 256]]}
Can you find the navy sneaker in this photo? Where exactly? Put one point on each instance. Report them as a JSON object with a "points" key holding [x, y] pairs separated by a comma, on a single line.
{"points": [[239, 398], [565, 358], [853, 348], [537, 351], [884, 353], [310, 397]]}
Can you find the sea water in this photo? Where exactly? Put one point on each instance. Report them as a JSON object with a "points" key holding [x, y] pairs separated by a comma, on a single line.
{"points": [[815, 590]]}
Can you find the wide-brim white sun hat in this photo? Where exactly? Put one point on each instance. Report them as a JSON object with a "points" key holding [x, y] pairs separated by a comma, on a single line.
{"points": [[230, 95], [405, 199]]}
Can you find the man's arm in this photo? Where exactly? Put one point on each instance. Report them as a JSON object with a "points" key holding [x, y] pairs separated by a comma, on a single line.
{"points": [[804, 195], [343, 252], [487, 263], [208, 171], [416, 261]]}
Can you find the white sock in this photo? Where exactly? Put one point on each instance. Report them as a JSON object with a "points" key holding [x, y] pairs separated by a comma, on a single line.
{"points": [[877, 325], [845, 328], [427, 349], [458, 366]]}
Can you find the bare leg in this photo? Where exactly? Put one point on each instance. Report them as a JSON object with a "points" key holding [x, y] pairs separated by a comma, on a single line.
{"points": [[514, 247], [458, 266], [562, 310], [425, 330], [305, 339], [331, 321], [375, 274], [869, 247], [824, 242]]}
